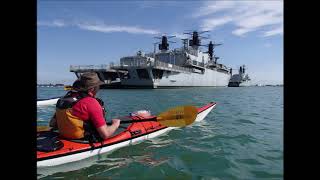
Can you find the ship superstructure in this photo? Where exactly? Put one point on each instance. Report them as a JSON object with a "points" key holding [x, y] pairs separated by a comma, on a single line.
{"points": [[180, 67]]}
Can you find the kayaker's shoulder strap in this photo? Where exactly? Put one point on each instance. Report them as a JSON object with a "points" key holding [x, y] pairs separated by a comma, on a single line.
{"points": [[70, 99], [102, 106], [100, 101]]}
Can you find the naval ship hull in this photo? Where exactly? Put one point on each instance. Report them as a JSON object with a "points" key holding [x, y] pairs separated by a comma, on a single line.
{"points": [[239, 84], [172, 79]]}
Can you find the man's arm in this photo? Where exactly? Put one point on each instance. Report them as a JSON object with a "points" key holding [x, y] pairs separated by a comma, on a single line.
{"points": [[107, 131], [97, 118]]}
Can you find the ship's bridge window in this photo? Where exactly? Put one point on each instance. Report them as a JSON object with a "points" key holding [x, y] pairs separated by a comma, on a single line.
{"points": [[126, 61], [164, 58]]}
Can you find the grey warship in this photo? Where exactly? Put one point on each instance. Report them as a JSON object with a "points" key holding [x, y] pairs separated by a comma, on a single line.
{"points": [[240, 79], [187, 66]]}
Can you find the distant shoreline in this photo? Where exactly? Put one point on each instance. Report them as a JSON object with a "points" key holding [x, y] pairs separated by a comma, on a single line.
{"points": [[50, 85]]}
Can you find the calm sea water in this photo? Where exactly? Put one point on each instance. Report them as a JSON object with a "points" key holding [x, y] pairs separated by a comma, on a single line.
{"points": [[242, 138]]}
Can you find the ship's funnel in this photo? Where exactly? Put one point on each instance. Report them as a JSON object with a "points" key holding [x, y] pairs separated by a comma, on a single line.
{"points": [[195, 41], [210, 50], [164, 43]]}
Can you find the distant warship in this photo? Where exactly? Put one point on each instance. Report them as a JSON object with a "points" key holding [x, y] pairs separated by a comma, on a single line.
{"points": [[240, 79]]}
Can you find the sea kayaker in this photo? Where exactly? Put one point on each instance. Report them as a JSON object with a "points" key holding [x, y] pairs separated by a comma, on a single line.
{"points": [[80, 115]]}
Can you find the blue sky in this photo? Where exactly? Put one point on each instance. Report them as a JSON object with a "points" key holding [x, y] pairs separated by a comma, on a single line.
{"points": [[99, 32]]}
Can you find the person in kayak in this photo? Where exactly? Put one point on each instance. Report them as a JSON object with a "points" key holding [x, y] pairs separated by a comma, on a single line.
{"points": [[79, 115]]}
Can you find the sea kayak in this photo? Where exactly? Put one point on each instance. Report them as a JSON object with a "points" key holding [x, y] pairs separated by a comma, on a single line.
{"points": [[47, 102], [136, 132]]}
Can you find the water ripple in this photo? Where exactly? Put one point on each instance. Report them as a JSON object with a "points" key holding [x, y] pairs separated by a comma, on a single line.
{"points": [[245, 121]]}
